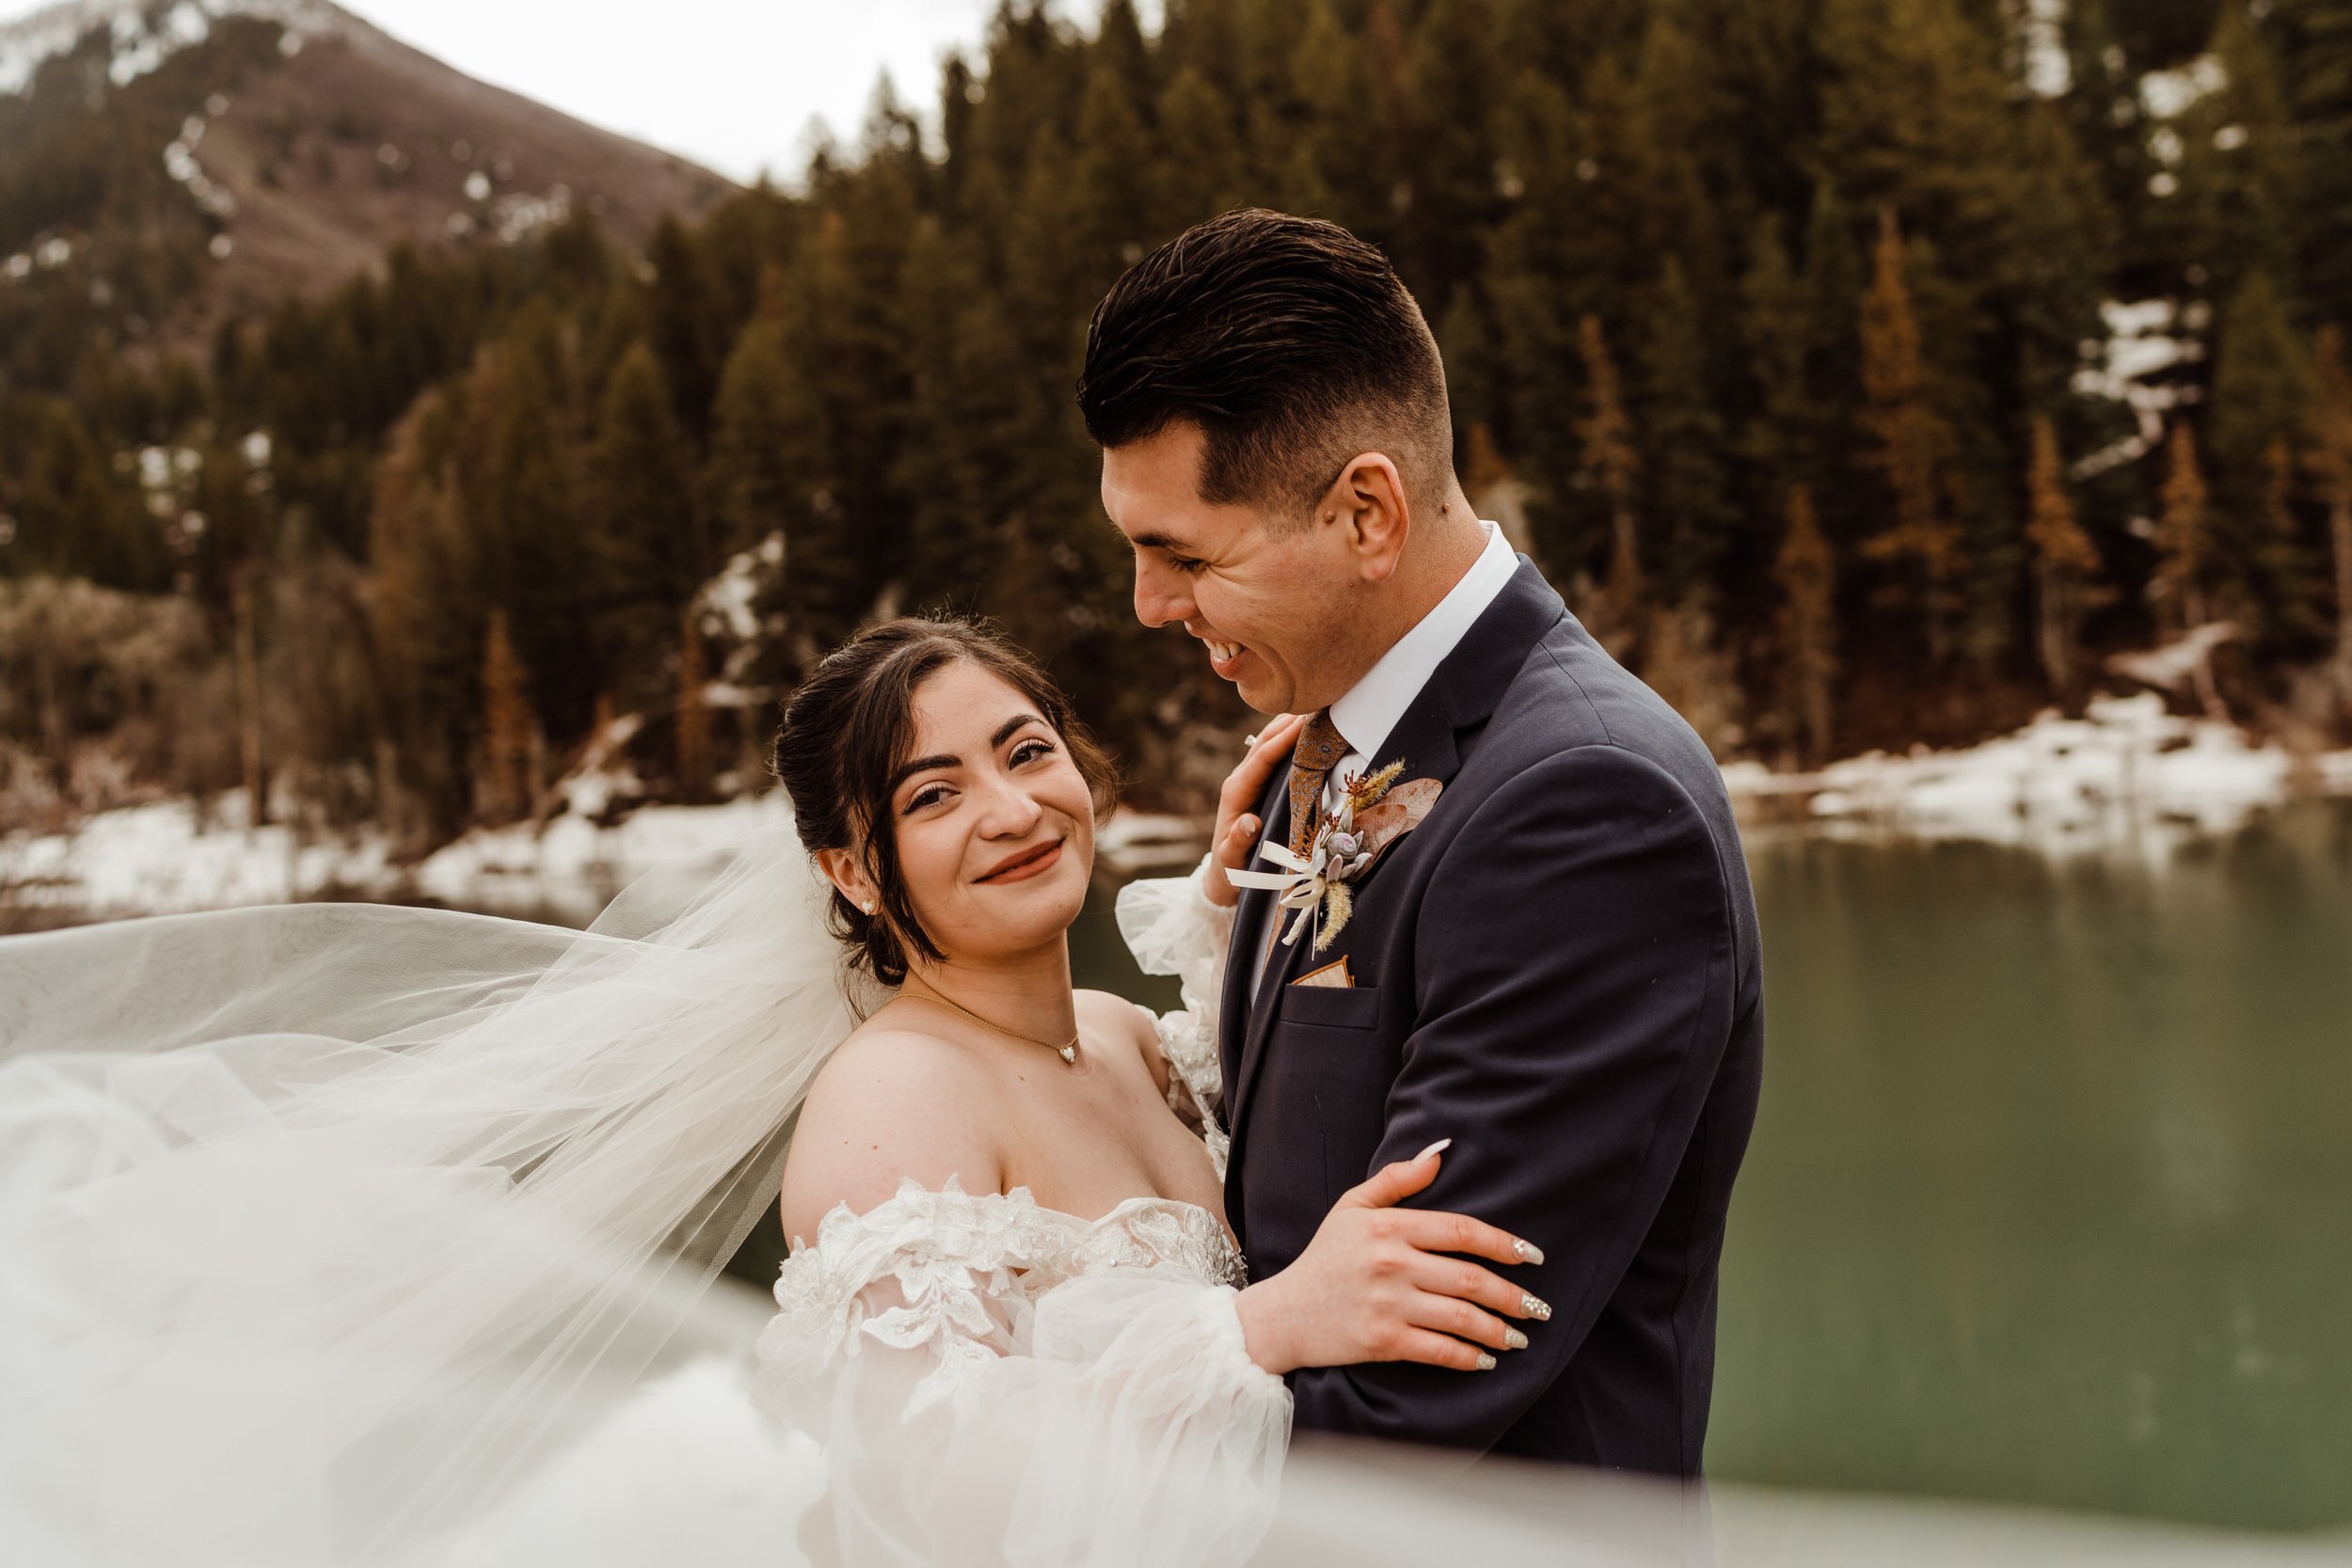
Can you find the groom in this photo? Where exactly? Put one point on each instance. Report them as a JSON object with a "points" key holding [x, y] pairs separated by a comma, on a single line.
{"points": [[1556, 964]]}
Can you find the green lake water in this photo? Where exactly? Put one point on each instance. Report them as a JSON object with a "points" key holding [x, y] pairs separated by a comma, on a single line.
{"points": [[2050, 1195], [2050, 1198]]}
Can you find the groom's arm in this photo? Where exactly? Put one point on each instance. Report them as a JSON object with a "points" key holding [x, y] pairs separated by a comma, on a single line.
{"points": [[1575, 963]]}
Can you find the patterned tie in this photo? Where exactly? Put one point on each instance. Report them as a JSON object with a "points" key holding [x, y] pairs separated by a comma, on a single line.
{"points": [[1320, 748]]}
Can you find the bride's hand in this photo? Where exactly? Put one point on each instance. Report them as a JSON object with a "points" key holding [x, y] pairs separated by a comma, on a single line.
{"points": [[1236, 827], [1375, 1285]]}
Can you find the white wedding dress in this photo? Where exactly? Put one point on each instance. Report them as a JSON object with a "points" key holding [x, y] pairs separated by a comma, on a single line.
{"points": [[954, 1378], [345, 1234]]}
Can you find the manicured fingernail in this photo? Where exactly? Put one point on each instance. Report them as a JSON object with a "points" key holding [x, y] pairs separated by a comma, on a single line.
{"points": [[1531, 1308], [1527, 1252], [1514, 1340], [1437, 1147], [1485, 1362]]}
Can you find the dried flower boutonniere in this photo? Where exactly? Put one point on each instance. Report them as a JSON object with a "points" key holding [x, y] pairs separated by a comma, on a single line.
{"points": [[1374, 810]]}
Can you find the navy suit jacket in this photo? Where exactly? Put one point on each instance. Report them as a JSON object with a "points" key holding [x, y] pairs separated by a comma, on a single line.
{"points": [[1558, 970]]}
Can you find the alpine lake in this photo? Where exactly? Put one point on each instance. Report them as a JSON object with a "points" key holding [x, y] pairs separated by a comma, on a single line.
{"points": [[2050, 1196], [2049, 1200]]}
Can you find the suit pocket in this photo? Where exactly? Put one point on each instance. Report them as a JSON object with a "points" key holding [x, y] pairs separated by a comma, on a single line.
{"points": [[1329, 1006]]}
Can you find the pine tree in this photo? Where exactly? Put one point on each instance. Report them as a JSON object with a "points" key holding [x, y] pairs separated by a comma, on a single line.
{"points": [[1775, 330], [1910, 446], [1537, 284], [522, 508], [70, 519], [2239, 204], [1665, 145], [965, 475], [765, 431], [1338, 157], [1684, 440], [2260, 399], [507, 727], [1916, 115], [1388, 68], [1611, 462], [2316, 53], [1112, 203], [1447, 160], [650, 541], [1199, 156], [1797, 323], [2330, 461], [2065, 564], [2066, 243], [2185, 542], [686, 332], [1806, 572]]}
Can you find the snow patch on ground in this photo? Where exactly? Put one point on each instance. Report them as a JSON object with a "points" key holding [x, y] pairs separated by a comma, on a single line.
{"points": [[171, 857], [174, 856], [2126, 777], [2041, 35], [2167, 94], [2147, 340], [2127, 773], [571, 868], [137, 46]]}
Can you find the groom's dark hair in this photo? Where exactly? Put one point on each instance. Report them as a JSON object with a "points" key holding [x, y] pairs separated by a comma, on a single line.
{"points": [[1291, 344]]}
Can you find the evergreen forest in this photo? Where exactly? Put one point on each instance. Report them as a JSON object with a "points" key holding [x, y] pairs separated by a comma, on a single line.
{"points": [[1866, 373]]}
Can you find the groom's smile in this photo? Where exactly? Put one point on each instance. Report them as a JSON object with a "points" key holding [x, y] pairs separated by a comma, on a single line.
{"points": [[1269, 599]]}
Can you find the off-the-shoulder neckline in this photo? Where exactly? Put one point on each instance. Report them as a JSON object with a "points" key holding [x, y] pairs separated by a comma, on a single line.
{"points": [[1022, 1197]]}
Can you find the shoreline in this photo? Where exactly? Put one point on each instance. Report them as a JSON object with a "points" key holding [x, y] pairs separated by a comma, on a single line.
{"points": [[2128, 779]]}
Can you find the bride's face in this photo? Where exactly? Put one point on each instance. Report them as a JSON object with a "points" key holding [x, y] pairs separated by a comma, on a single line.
{"points": [[994, 824]]}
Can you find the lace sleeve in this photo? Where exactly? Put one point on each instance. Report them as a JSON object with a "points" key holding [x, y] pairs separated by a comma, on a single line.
{"points": [[1172, 929], [993, 1382], [938, 1276]]}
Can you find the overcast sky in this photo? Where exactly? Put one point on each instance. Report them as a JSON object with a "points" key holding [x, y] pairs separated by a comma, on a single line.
{"points": [[732, 83]]}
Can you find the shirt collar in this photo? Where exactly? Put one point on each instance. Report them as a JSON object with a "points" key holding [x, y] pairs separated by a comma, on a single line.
{"points": [[1373, 705]]}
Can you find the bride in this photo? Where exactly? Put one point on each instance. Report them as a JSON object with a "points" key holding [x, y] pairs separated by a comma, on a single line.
{"points": [[344, 1233]]}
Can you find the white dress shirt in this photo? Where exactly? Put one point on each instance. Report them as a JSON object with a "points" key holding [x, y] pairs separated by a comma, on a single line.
{"points": [[1368, 713]]}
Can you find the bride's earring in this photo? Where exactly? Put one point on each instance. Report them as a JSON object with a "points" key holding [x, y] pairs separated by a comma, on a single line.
{"points": [[868, 906]]}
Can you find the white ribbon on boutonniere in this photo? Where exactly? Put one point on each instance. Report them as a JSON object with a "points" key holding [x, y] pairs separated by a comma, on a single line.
{"points": [[1374, 812]]}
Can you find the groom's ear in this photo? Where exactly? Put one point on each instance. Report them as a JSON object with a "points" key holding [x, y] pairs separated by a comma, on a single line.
{"points": [[1368, 503]]}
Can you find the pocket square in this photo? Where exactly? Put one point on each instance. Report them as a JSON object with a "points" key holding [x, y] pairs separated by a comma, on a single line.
{"points": [[1334, 974]]}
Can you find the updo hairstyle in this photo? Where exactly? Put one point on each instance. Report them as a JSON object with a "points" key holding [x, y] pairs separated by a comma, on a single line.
{"points": [[850, 726]]}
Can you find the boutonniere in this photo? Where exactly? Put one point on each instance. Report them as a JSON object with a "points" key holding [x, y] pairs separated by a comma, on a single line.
{"points": [[1374, 812]]}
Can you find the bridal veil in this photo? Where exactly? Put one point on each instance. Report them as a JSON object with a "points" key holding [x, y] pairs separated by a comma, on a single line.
{"points": [[320, 1222]]}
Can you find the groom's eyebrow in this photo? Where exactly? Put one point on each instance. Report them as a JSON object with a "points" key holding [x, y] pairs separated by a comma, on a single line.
{"points": [[1152, 539], [923, 764]]}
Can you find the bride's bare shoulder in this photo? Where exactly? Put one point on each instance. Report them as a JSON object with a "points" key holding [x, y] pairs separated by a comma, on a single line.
{"points": [[1108, 1016], [891, 1103]]}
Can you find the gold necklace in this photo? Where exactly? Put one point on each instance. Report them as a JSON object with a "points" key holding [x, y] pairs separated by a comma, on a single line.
{"points": [[1068, 1054]]}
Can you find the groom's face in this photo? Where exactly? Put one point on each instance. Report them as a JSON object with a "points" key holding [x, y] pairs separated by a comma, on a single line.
{"points": [[1268, 599]]}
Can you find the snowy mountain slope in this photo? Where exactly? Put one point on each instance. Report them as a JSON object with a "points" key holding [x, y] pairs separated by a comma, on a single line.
{"points": [[294, 165]]}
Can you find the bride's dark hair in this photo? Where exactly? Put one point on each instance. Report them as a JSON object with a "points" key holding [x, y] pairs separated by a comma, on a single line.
{"points": [[849, 727]]}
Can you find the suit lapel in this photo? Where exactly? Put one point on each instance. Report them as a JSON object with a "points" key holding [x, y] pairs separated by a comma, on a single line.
{"points": [[1457, 698]]}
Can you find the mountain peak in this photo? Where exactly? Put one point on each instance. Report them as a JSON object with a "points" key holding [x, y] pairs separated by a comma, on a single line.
{"points": [[144, 35], [285, 146]]}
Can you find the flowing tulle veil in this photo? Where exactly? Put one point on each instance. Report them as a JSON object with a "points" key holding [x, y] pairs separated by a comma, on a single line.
{"points": [[319, 1221]]}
